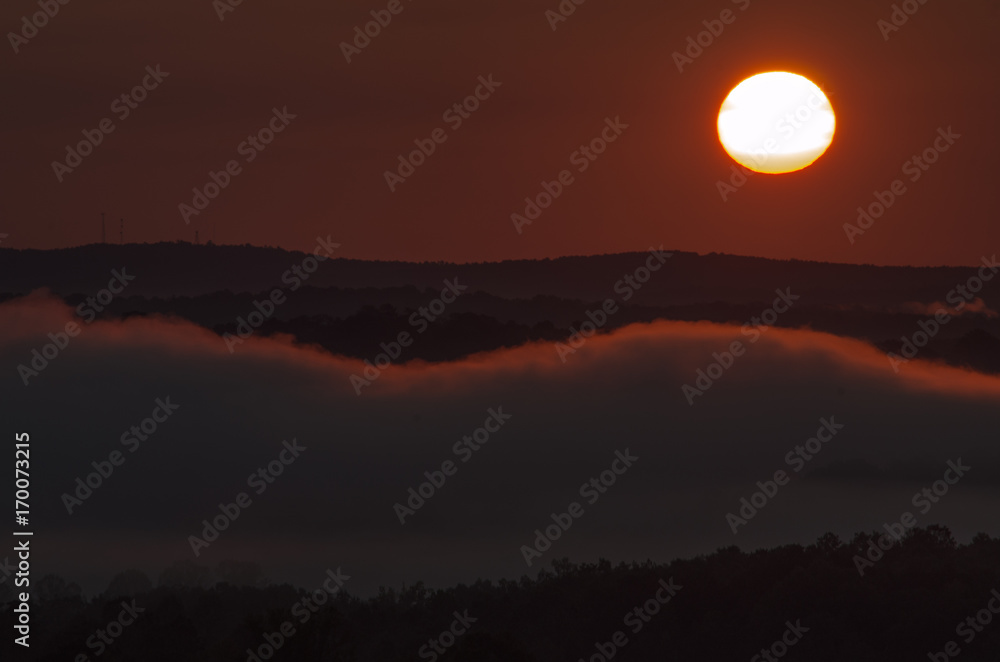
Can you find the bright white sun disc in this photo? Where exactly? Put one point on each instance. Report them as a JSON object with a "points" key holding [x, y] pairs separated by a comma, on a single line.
{"points": [[776, 122]]}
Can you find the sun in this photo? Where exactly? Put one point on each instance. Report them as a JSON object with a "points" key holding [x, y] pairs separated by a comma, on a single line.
{"points": [[776, 122]]}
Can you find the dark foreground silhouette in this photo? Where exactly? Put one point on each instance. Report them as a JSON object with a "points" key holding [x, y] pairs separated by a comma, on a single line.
{"points": [[729, 605]]}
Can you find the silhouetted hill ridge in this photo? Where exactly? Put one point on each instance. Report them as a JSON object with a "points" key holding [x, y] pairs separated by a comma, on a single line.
{"points": [[183, 269]]}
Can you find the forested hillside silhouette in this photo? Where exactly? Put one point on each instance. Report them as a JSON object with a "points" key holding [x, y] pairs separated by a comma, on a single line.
{"points": [[729, 605], [184, 269]]}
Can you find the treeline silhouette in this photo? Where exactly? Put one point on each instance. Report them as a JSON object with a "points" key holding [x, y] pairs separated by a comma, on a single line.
{"points": [[730, 605], [183, 269]]}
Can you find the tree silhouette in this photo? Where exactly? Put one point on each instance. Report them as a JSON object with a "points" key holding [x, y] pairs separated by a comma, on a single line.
{"points": [[731, 604]]}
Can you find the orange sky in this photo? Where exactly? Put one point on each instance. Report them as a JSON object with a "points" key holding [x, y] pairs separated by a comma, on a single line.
{"points": [[656, 184]]}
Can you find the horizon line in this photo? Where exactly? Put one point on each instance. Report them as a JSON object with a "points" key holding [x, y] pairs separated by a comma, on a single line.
{"points": [[211, 244]]}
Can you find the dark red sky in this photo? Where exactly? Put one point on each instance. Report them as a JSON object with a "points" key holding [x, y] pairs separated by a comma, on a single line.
{"points": [[655, 185]]}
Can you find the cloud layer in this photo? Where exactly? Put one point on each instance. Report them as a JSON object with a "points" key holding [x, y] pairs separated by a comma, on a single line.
{"points": [[334, 505]]}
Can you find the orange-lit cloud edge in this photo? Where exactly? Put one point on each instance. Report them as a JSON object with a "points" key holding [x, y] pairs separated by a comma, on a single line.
{"points": [[26, 321]]}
